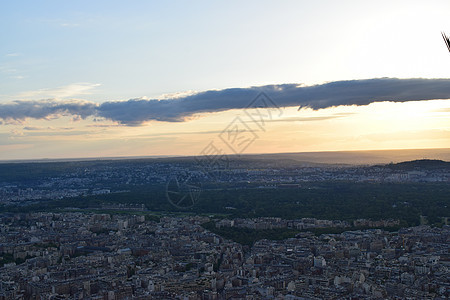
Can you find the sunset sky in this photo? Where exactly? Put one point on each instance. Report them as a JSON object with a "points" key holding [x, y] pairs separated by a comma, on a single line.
{"points": [[143, 78]]}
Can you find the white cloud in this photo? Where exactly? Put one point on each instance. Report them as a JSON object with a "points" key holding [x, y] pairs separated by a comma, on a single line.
{"points": [[71, 90], [17, 77], [174, 95], [70, 24]]}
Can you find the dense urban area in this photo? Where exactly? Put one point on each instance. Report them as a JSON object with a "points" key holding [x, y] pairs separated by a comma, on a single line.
{"points": [[103, 256], [240, 229], [23, 183]]}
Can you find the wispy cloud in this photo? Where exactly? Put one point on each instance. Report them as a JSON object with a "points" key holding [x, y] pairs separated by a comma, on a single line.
{"points": [[444, 110], [33, 128], [311, 119], [59, 22], [104, 125], [134, 112], [70, 24], [180, 133], [71, 90], [17, 77], [56, 133], [8, 70], [40, 128]]}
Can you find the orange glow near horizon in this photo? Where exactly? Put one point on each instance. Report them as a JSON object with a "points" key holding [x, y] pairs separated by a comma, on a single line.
{"points": [[385, 125]]}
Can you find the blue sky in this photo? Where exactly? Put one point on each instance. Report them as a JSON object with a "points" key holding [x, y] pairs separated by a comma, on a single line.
{"points": [[149, 48], [101, 51]]}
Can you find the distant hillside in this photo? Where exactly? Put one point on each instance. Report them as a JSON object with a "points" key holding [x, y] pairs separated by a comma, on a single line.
{"points": [[422, 164], [366, 157]]}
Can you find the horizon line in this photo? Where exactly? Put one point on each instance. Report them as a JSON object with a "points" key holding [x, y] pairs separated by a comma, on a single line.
{"points": [[135, 157]]}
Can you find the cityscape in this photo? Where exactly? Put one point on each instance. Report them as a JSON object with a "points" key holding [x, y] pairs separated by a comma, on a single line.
{"points": [[99, 256], [113, 248], [105, 177]]}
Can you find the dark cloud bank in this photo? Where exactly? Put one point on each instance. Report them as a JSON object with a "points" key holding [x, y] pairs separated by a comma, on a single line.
{"points": [[19, 110], [137, 111]]}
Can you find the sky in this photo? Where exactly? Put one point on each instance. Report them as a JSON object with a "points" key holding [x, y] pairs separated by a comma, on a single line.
{"points": [[144, 78]]}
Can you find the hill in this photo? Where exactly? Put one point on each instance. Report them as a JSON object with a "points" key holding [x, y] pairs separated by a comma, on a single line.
{"points": [[421, 164]]}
